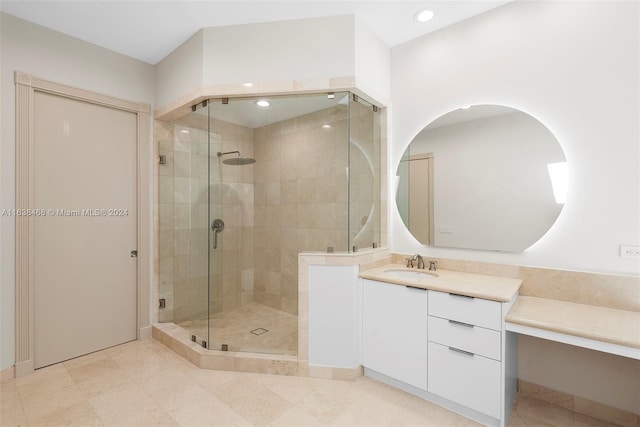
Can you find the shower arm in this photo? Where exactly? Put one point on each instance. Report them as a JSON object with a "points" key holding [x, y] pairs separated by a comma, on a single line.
{"points": [[220, 154]]}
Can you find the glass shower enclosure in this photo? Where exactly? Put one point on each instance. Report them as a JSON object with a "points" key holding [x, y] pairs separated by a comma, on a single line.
{"points": [[248, 184]]}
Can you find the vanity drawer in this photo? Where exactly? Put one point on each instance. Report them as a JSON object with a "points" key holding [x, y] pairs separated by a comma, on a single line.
{"points": [[464, 336], [470, 380], [475, 311]]}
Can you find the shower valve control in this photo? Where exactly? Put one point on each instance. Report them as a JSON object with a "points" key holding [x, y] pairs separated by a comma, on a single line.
{"points": [[217, 226]]}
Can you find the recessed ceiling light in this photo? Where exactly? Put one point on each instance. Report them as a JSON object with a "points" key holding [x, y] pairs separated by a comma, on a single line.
{"points": [[423, 15], [263, 103]]}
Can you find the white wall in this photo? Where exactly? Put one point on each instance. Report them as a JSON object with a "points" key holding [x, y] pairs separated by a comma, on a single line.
{"points": [[181, 72], [279, 51], [272, 52], [372, 59], [572, 65], [52, 56], [601, 377]]}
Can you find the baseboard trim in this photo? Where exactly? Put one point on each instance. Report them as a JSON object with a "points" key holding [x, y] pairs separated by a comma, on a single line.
{"points": [[24, 368]]}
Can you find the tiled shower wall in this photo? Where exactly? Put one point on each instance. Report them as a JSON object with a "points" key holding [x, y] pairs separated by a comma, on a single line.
{"points": [[232, 198], [301, 199], [183, 204]]}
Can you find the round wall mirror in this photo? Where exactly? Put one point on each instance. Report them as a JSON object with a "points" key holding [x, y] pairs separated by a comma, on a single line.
{"points": [[482, 177]]}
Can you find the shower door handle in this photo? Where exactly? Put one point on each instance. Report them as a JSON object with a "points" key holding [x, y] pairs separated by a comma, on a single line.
{"points": [[217, 225]]}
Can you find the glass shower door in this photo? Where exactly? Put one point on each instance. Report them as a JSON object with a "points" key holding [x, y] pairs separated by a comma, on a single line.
{"points": [[220, 231], [364, 174], [205, 224]]}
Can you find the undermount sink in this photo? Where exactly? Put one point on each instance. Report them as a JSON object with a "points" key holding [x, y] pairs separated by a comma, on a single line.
{"points": [[410, 274]]}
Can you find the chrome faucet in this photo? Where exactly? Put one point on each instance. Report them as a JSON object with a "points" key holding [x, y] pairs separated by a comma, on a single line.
{"points": [[420, 261]]}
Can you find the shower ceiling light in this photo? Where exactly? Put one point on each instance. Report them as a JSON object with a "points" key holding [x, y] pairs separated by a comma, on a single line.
{"points": [[263, 103], [423, 15]]}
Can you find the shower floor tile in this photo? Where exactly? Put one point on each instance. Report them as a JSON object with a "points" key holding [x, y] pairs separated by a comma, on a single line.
{"points": [[243, 329]]}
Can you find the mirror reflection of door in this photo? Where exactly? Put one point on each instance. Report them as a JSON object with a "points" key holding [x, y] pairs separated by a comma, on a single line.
{"points": [[495, 183], [420, 206]]}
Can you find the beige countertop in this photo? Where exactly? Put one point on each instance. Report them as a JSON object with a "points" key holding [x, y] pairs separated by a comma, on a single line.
{"points": [[494, 288], [587, 321]]}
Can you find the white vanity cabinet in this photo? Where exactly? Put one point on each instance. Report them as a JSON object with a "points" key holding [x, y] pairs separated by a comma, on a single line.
{"points": [[394, 331], [447, 344], [465, 351]]}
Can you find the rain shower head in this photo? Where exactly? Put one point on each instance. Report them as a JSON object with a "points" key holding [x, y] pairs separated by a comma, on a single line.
{"points": [[239, 161], [236, 161]]}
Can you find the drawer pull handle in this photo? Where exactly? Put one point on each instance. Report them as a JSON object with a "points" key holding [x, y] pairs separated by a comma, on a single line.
{"points": [[415, 287], [457, 350], [455, 322], [461, 296]]}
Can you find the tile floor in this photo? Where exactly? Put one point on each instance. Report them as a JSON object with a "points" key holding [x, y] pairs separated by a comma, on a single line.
{"points": [[234, 328], [142, 383]]}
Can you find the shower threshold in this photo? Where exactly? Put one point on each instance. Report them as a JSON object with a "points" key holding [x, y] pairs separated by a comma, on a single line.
{"points": [[178, 339]]}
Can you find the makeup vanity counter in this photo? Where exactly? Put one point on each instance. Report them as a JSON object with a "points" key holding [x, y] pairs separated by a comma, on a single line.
{"points": [[598, 328]]}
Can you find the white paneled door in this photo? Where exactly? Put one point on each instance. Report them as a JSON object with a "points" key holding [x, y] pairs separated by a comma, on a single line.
{"points": [[85, 227]]}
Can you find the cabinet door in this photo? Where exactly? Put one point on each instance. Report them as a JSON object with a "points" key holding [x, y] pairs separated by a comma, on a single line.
{"points": [[394, 339], [468, 379]]}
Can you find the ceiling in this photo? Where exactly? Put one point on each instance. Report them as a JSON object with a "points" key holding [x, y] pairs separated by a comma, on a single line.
{"points": [[148, 30]]}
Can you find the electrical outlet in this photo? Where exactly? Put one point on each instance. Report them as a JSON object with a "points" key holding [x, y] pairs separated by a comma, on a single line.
{"points": [[627, 251]]}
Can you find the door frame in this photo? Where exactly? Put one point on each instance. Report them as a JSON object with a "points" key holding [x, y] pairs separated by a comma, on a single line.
{"points": [[26, 86]]}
